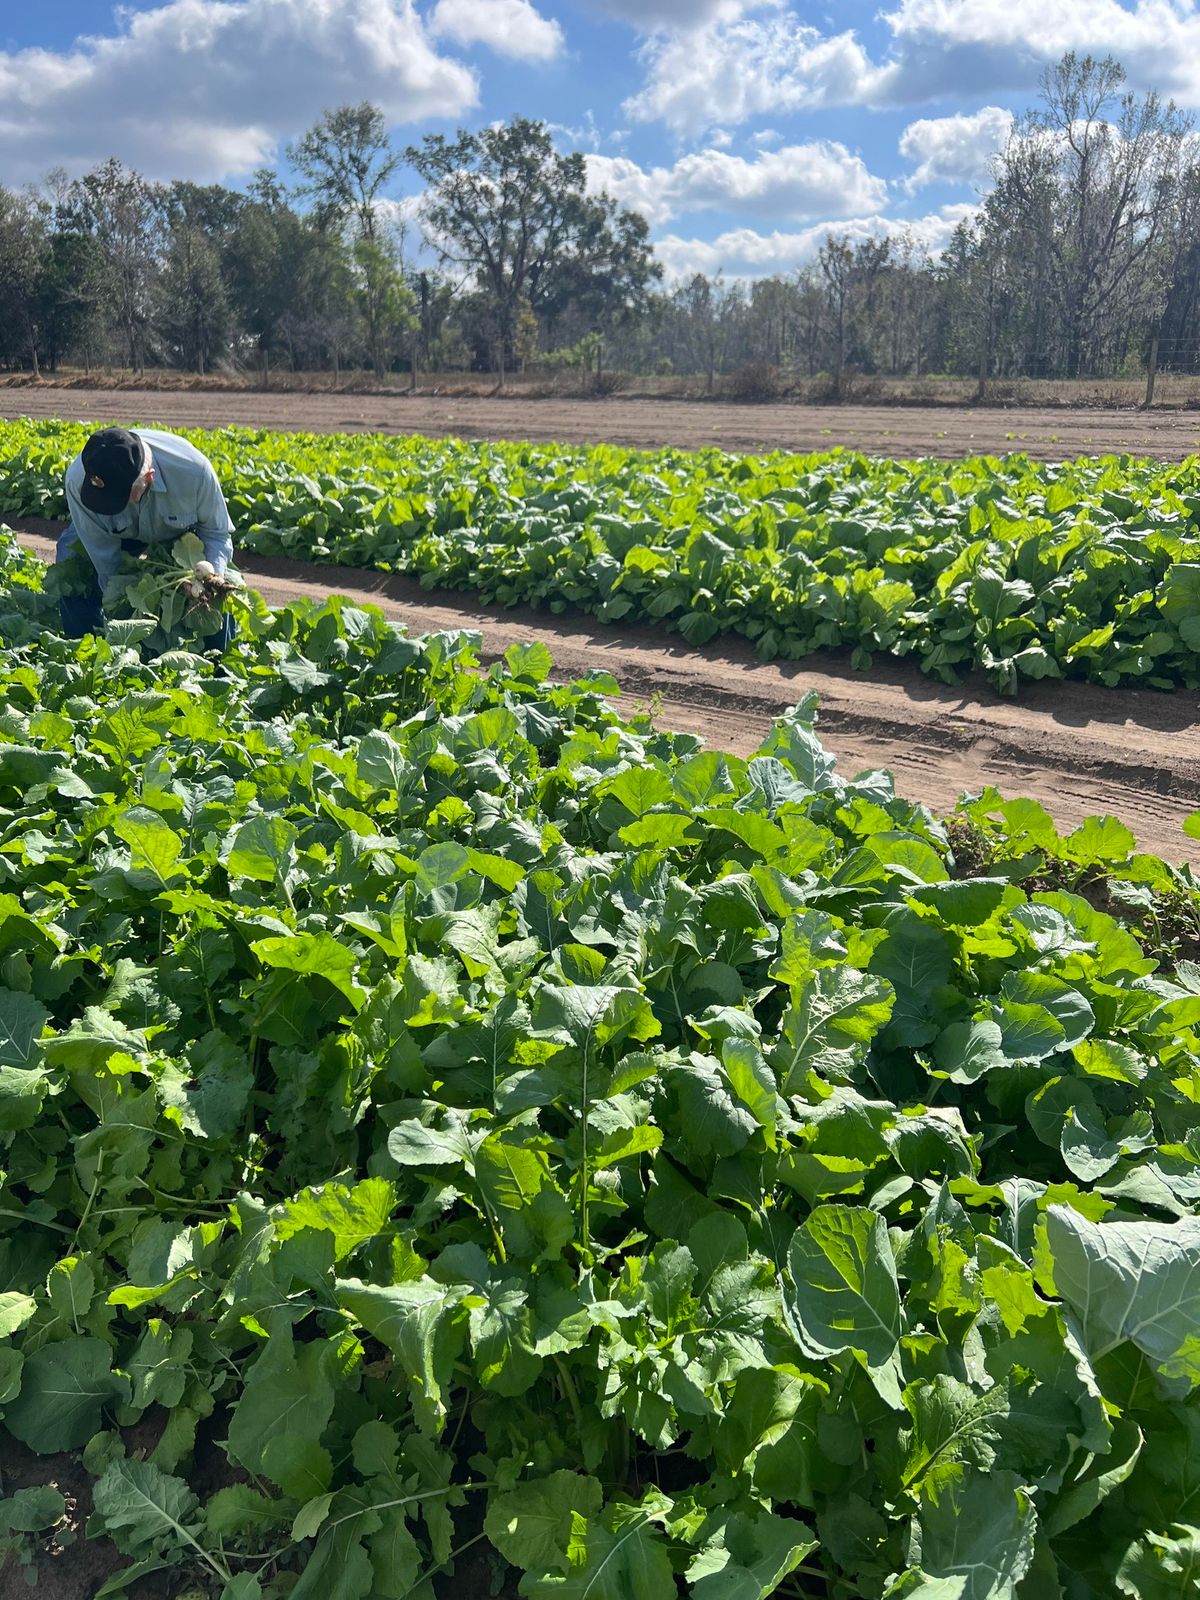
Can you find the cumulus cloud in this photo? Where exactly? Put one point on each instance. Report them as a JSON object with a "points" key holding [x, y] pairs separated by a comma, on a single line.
{"points": [[744, 253], [797, 183], [732, 70], [725, 61], [510, 27], [955, 149], [964, 46], [207, 89]]}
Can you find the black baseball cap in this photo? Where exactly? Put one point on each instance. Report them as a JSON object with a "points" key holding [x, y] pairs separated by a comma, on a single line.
{"points": [[112, 464]]}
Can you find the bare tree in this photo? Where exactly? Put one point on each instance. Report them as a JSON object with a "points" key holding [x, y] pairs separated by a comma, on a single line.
{"points": [[1093, 172]]}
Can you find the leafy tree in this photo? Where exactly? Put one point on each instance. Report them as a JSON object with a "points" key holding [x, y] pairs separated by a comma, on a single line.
{"points": [[263, 257], [513, 214], [24, 250], [383, 300], [195, 306], [125, 213], [347, 159], [70, 296]]}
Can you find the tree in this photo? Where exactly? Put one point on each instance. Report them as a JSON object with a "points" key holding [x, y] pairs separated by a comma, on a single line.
{"points": [[262, 260], [347, 158], [706, 308], [1094, 171], [382, 299], [195, 308], [124, 212], [850, 274], [70, 296], [504, 207], [24, 250]]}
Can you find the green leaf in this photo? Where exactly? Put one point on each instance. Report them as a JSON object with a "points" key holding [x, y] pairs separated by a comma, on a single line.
{"points": [[619, 1557], [354, 1216], [1135, 1281], [1162, 1566], [143, 1511], [64, 1389], [531, 1524], [314, 955], [22, 1019], [746, 1556], [262, 848], [975, 1531], [288, 1394], [155, 847], [15, 1311], [425, 1325], [842, 1292]]}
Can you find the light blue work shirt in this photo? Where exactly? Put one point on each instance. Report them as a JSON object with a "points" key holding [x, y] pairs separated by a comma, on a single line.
{"points": [[185, 497]]}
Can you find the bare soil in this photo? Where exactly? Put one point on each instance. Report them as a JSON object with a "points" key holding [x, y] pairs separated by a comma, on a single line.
{"points": [[942, 431], [1080, 750]]}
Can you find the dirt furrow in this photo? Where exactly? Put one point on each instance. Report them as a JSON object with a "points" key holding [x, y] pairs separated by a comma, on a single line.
{"points": [[1078, 749], [947, 432]]}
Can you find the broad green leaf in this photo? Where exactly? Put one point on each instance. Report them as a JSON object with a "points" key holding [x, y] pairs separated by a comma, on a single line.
{"points": [[22, 1019], [531, 1524], [288, 1394], [314, 955], [64, 1390], [975, 1531], [619, 1556], [262, 848], [842, 1292], [1135, 1281], [144, 1511]]}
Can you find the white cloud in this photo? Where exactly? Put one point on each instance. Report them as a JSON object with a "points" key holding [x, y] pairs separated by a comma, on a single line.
{"points": [[670, 15], [955, 149], [743, 253], [510, 27], [732, 70], [968, 46], [721, 62], [797, 183], [207, 89]]}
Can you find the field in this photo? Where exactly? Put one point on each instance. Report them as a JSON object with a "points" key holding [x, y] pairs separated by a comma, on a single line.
{"points": [[461, 1140], [1058, 588]]}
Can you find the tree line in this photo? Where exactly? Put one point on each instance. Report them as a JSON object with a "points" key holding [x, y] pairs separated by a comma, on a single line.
{"points": [[1082, 260]]}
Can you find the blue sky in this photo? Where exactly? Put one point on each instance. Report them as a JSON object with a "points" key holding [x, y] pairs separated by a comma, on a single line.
{"points": [[744, 129]]}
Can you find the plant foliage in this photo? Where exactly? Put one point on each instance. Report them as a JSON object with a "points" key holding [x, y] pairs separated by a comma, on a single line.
{"points": [[1089, 569], [439, 1114]]}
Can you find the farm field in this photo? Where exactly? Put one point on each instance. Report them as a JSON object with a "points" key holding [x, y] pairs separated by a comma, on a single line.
{"points": [[1024, 572], [457, 1139], [1077, 749], [1051, 434], [457, 1136]]}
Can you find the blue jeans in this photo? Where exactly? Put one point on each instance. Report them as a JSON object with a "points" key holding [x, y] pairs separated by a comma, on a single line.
{"points": [[83, 613]]}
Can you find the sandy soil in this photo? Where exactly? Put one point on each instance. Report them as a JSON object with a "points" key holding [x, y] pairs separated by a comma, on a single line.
{"points": [[1049, 435], [1080, 750]]}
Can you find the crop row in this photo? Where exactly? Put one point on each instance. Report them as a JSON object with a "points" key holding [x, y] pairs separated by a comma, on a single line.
{"points": [[438, 1116], [1088, 570]]}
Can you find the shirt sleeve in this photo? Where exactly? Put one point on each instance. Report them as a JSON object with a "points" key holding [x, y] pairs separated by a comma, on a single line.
{"points": [[214, 526], [102, 545]]}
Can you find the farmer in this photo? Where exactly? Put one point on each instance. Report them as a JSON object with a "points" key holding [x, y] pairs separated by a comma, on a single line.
{"points": [[128, 490]]}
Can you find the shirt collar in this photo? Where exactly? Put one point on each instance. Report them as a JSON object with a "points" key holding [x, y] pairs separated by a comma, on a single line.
{"points": [[158, 486]]}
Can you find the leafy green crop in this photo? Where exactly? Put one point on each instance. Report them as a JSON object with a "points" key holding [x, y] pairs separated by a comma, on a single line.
{"points": [[1090, 569], [438, 1115]]}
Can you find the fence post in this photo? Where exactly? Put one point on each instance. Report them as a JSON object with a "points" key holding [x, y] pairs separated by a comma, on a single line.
{"points": [[1151, 374]]}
